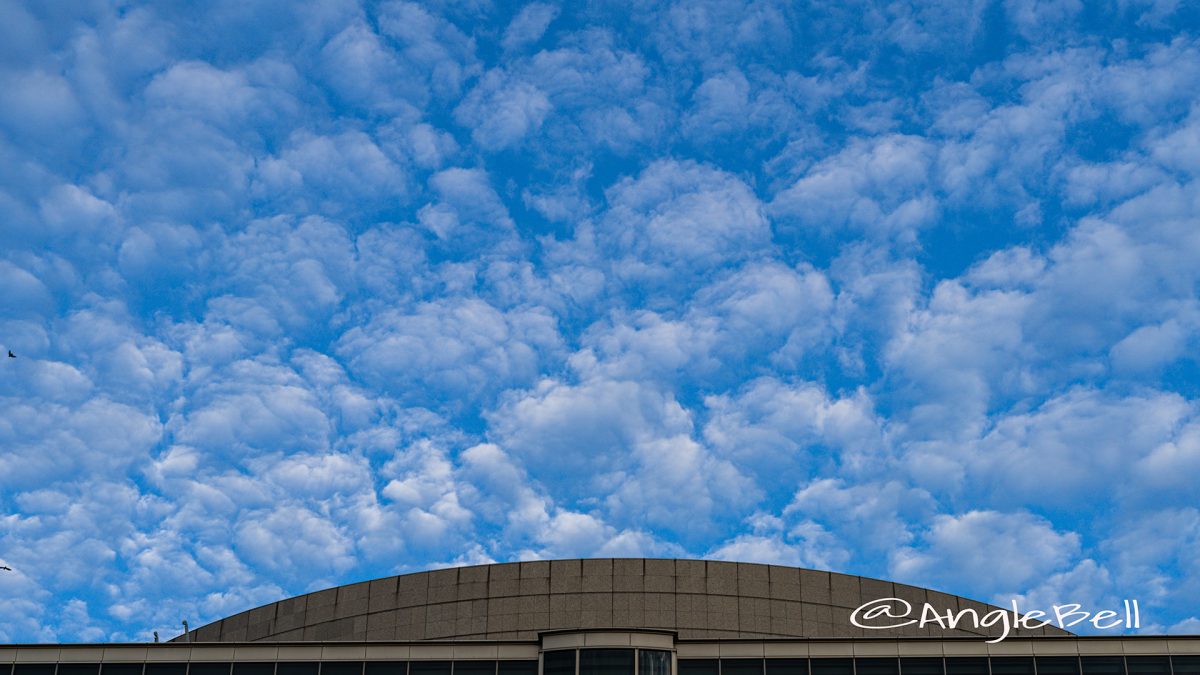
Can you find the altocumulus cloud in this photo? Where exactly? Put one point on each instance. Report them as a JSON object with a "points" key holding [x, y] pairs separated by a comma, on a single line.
{"points": [[304, 295]]}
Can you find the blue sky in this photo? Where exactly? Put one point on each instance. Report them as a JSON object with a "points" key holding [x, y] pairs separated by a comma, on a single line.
{"points": [[309, 293]]}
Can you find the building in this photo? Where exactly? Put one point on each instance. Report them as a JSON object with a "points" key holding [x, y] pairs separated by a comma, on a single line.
{"points": [[614, 617]]}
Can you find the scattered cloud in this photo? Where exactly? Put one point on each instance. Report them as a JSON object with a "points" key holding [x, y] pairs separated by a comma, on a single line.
{"points": [[894, 289]]}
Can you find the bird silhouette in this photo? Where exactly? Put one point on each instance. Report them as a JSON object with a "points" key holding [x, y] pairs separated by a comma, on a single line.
{"points": [[11, 355], [6, 568]]}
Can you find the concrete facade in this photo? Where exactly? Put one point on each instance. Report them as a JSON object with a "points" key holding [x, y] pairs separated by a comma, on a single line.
{"points": [[696, 599]]}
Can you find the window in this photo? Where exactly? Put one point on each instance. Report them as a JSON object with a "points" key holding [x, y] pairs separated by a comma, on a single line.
{"points": [[877, 666], [1103, 665], [921, 667], [831, 666], [1148, 665], [82, 668], [1012, 665], [654, 662], [426, 668], [1057, 665], [605, 662], [294, 668], [518, 668], [558, 662], [170, 669], [342, 668], [1186, 665], [121, 669], [787, 666], [380, 668], [967, 665], [741, 667], [33, 669], [698, 667]]}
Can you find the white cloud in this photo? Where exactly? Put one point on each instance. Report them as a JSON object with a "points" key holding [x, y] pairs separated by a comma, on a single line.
{"points": [[464, 347], [1041, 18], [784, 432], [875, 516], [988, 551], [678, 216], [528, 25], [502, 112], [1080, 438], [878, 187], [288, 540]]}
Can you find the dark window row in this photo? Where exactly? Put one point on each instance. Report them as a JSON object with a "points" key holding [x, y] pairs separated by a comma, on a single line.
{"points": [[606, 662], [280, 668], [997, 665]]}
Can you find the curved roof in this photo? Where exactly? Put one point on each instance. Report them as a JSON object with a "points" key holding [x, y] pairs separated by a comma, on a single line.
{"points": [[697, 599]]}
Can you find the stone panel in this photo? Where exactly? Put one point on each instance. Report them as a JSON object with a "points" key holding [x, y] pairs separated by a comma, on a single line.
{"points": [[412, 590], [721, 578], [628, 582], [630, 567], [658, 583], [352, 600], [814, 586], [534, 585], [660, 567], [258, 631], [753, 580], [537, 569], [473, 575], [844, 591], [563, 583], [382, 595]]}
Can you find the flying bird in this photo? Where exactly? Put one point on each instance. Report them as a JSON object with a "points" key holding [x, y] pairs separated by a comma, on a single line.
{"points": [[11, 355], [5, 568]]}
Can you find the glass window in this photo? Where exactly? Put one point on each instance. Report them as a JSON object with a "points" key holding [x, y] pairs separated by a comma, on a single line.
{"points": [[33, 669], [920, 667], [1103, 665], [1058, 665], [344, 668], [877, 666], [293, 668], [251, 668], [741, 667], [1012, 665], [1148, 665], [426, 668], [831, 666], [121, 669], [558, 662], [787, 666], [518, 668], [474, 668], [382, 668], [208, 669], [967, 665], [168, 669], [1186, 665], [698, 667], [82, 668], [605, 662], [654, 662]]}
